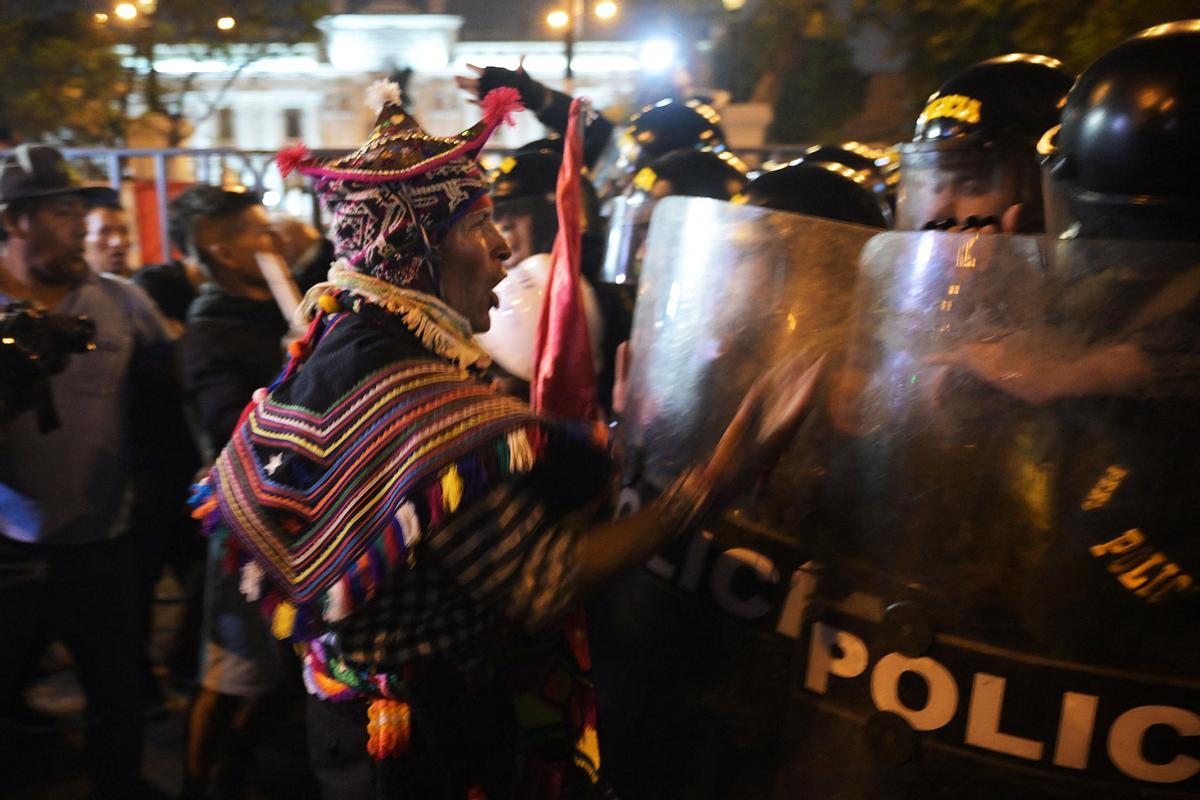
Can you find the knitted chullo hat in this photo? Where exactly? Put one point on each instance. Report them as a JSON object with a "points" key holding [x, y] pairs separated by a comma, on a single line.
{"points": [[394, 198]]}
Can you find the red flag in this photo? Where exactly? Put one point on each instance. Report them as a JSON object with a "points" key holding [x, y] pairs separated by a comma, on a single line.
{"points": [[564, 381], [564, 385]]}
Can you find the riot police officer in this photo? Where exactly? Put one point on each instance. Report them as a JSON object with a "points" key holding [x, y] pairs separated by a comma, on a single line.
{"points": [[705, 172], [653, 132], [1118, 167], [1123, 163], [821, 189], [882, 166], [973, 154], [1122, 169], [522, 192]]}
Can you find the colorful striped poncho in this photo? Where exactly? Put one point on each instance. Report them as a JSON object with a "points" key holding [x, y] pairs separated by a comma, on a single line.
{"points": [[324, 487], [377, 432]]}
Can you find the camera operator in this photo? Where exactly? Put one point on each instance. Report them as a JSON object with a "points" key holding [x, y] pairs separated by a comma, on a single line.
{"points": [[65, 494]]}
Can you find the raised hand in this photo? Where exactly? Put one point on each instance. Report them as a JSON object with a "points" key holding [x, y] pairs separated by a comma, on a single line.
{"points": [[487, 78], [769, 416], [469, 83]]}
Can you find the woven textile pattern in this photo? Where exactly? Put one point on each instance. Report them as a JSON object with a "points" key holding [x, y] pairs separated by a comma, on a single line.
{"points": [[307, 492], [387, 230]]}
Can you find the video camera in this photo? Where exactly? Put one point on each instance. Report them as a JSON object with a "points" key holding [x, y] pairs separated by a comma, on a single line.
{"points": [[35, 345]]}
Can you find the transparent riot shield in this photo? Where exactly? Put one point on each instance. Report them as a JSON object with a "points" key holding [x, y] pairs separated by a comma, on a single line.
{"points": [[628, 224], [613, 170], [993, 591], [1011, 501], [690, 667], [728, 291]]}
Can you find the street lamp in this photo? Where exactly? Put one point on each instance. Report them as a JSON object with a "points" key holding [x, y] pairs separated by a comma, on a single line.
{"points": [[571, 24], [658, 55], [226, 23], [126, 11]]}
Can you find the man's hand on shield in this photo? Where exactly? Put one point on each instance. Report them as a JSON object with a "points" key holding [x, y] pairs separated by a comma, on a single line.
{"points": [[1041, 366], [769, 416]]}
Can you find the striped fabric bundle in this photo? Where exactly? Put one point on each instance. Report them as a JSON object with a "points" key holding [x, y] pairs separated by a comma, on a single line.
{"points": [[321, 505]]}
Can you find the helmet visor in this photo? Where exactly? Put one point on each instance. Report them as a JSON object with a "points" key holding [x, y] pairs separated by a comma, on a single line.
{"points": [[942, 184]]}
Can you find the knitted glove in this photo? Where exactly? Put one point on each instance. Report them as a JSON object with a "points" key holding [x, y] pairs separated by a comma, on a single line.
{"points": [[534, 95]]}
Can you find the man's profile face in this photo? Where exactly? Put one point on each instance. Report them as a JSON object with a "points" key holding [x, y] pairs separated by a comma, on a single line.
{"points": [[54, 231], [517, 229], [473, 256], [250, 233], [106, 245]]}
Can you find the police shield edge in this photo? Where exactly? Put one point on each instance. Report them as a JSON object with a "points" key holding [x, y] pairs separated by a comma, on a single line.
{"points": [[628, 222], [992, 588], [686, 648]]}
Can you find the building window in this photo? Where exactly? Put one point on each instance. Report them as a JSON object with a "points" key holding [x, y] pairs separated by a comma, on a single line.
{"points": [[225, 126], [293, 123]]}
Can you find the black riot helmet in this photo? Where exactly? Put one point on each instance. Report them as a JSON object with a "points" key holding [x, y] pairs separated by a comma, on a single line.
{"points": [[523, 186], [881, 166], [553, 143], [653, 132], [1125, 162], [855, 155], [820, 189], [974, 150], [718, 174]]}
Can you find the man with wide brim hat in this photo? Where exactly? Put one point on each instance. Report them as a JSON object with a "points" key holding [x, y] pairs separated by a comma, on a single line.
{"points": [[65, 504], [39, 170], [401, 521], [37, 177]]}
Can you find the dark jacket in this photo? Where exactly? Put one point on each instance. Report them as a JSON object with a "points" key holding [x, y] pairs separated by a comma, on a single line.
{"points": [[169, 287], [232, 347]]}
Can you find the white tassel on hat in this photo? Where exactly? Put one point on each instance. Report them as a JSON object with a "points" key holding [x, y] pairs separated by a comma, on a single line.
{"points": [[382, 92]]}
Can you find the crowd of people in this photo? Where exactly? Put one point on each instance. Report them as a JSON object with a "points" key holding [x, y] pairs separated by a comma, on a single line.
{"points": [[358, 501]]}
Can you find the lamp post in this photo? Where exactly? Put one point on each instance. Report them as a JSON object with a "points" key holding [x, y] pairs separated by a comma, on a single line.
{"points": [[570, 22]]}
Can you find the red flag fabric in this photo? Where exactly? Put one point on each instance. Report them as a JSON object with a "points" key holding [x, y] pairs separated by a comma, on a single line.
{"points": [[564, 385], [564, 382]]}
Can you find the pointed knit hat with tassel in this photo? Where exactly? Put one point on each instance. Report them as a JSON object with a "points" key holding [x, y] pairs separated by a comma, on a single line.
{"points": [[394, 198]]}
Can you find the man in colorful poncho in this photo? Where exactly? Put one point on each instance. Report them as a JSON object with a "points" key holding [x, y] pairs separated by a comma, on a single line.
{"points": [[398, 519]]}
